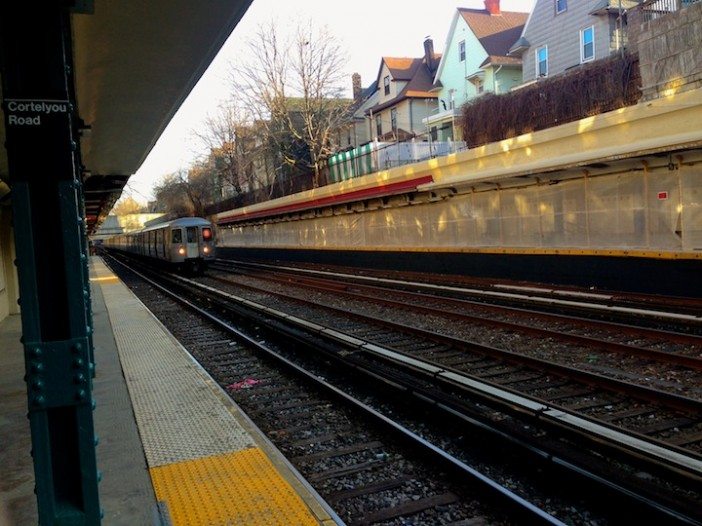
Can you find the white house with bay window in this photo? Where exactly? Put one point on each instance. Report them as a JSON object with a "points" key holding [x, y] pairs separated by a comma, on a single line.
{"points": [[563, 34]]}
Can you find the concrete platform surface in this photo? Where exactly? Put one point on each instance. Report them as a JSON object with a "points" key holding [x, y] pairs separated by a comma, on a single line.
{"points": [[174, 449], [126, 493]]}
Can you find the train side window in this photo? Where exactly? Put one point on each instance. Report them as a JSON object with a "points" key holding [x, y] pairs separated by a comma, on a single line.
{"points": [[177, 236], [191, 232]]}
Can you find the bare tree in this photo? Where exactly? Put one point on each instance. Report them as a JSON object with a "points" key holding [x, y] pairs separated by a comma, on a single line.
{"points": [[236, 147], [171, 197], [319, 75], [186, 193], [295, 89]]}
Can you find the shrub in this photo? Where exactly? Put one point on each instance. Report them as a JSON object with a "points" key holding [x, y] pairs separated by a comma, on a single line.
{"points": [[601, 86]]}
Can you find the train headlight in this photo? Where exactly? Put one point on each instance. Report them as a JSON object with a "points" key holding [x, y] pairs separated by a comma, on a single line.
{"points": [[181, 251], [206, 250]]}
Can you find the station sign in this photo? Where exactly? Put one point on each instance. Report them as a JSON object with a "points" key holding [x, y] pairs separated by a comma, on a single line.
{"points": [[33, 112], [34, 123]]}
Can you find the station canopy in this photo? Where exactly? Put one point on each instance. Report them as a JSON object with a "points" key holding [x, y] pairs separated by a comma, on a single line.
{"points": [[134, 64]]}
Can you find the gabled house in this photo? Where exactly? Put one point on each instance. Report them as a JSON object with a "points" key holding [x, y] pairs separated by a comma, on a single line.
{"points": [[475, 61], [404, 96], [563, 34]]}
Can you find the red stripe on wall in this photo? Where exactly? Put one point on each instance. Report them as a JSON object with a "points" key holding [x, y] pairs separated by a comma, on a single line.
{"points": [[365, 193]]}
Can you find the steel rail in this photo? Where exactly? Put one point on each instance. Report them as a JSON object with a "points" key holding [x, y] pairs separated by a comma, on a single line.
{"points": [[611, 384], [543, 413], [654, 354], [527, 510], [634, 330], [595, 307], [664, 454], [650, 503]]}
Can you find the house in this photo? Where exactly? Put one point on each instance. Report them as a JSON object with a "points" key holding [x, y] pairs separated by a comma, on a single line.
{"points": [[563, 34], [404, 96], [475, 61], [356, 131]]}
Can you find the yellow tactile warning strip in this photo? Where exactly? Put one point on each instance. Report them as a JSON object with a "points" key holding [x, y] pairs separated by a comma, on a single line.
{"points": [[204, 464], [105, 279], [239, 488]]}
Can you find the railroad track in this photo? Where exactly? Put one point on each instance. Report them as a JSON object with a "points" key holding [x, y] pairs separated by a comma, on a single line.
{"points": [[643, 311], [661, 346], [397, 373], [371, 469], [649, 414], [652, 301]]}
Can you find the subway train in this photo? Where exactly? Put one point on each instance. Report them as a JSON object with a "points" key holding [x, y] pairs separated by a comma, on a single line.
{"points": [[186, 244]]}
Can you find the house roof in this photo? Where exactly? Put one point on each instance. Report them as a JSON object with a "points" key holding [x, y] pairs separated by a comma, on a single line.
{"points": [[369, 90], [421, 82], [414, 70], [497, 60], [496, 33], [401, 68], [366, 95], [520, 46]]}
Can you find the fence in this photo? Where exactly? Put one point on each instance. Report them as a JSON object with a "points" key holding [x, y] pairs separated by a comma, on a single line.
{"points": [[653, 9], [377, 156]]}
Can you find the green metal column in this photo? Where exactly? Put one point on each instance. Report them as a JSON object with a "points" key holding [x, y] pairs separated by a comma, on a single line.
{"points": [[40, 122]]}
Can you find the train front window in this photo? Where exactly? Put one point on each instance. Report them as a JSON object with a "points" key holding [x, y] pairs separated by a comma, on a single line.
{"points": [[206, 233], [177, 236], [191, 232]]}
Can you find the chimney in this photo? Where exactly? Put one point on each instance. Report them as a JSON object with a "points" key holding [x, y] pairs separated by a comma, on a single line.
{"points": [[492, 6], [429, 53], [356, 83]]}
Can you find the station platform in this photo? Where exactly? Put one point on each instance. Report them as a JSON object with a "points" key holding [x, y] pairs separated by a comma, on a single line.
{"points": [[174, 449]]}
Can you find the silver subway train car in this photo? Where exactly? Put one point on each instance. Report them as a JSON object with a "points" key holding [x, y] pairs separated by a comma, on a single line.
{"points": [[186, 244]]}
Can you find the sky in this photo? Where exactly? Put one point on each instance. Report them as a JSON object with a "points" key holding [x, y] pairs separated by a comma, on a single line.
{"points": [[366, 29]]}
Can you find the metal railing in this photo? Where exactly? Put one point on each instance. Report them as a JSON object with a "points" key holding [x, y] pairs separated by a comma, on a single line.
{"points": [[379, 155], [653, 9]]}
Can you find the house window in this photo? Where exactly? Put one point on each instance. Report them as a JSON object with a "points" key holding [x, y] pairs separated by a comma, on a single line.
{"points": [[462, 50], [542, 61], [393, 119], [479, 86], [561, 5], [378, 126], [587, 44], [386, 84]]}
